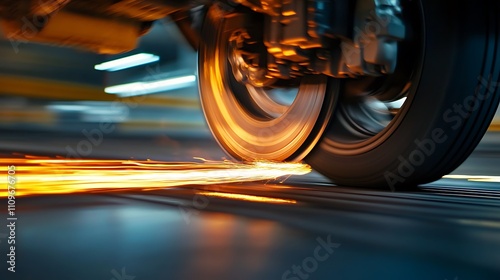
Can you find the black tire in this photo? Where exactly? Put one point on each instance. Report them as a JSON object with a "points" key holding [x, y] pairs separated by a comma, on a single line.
{"points": [[431, 135]]}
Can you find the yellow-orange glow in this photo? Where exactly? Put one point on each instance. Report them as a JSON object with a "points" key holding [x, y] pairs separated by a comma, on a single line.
{"points": [[55, 176], [246, 197], [288, 13], [475, 178]]}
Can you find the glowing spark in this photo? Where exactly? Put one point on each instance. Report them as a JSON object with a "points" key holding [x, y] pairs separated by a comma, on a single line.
{"points": [[246, 197], [36, 175]]}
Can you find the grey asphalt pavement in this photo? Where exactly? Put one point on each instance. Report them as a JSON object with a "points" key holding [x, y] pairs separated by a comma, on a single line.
{"points": [[449, 229]]}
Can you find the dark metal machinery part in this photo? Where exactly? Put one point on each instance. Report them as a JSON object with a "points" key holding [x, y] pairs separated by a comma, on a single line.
{"points": [[342, 38], [190, 23]]}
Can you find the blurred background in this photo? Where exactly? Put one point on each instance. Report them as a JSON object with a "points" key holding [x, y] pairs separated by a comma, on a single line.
{"points": [[53, 100]]}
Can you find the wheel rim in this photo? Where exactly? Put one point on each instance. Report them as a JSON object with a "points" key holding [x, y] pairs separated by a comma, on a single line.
{"points": [[247, 122]]}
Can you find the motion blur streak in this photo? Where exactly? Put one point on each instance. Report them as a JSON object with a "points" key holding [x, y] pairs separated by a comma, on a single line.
{"points": [[475, 178], [246, 197], [36, 176]]}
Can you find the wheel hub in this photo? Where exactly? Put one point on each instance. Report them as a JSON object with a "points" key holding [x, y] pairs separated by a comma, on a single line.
{"points": [[245, 64]]}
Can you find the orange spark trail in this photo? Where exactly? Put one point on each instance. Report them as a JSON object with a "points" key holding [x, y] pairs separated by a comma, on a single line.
{"points": [[36, 176], [247, 197]]}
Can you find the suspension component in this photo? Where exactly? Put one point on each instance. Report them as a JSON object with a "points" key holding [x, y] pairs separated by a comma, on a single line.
{"points": [[338, 38], [378, 29]]}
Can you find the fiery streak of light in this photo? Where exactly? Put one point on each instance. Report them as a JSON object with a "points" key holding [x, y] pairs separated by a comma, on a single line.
{"points": [[55, 176], [475, 178], [247, 197]]}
